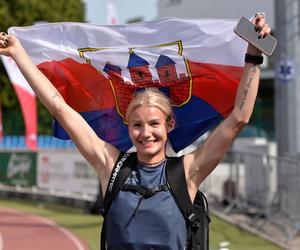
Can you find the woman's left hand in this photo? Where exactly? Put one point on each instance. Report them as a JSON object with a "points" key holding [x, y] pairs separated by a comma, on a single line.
{"points": [[8, 44]]}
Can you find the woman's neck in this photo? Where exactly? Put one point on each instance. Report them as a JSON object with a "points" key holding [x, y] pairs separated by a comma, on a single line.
{"points": [[151, 164]]}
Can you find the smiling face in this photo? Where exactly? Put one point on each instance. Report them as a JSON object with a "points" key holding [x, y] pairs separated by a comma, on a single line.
{"points": [[148, 130]]}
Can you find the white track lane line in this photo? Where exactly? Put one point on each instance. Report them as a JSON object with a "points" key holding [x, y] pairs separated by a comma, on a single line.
{"points": [[50, 223], [61, 229]]}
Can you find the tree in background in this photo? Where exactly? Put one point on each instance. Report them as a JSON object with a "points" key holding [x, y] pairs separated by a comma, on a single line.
{"points": [[135, 19], [26, 13]]}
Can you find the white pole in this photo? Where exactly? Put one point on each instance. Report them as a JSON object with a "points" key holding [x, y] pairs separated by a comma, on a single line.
{"points": [[111, 13]]}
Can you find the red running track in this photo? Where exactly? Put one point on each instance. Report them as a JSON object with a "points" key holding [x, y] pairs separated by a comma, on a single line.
{"points": [[22, 231]]}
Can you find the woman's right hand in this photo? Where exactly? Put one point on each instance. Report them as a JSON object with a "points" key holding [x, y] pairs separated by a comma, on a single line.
{"points": [[8, 44]]}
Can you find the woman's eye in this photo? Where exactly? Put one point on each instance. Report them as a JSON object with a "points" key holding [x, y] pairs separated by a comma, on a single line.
{"points": [[154, 124]]}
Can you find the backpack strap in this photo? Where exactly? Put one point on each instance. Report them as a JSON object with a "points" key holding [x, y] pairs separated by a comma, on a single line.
{"points": [[145, 192], [196, 214], [176, 179], [119, 175], [201, 239]]}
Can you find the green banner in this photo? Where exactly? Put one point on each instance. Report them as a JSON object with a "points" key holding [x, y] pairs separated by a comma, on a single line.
{"points": [[18, 168]]}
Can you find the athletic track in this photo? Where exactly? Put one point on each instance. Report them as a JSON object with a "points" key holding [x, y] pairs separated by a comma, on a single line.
{"points": [[22, 231]]}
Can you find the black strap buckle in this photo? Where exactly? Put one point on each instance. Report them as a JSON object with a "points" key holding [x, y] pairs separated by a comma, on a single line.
{"points": [[192, 217], [149, 192]]}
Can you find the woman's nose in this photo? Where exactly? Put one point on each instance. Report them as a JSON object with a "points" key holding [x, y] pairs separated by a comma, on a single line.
{"points": [[146, 131]]}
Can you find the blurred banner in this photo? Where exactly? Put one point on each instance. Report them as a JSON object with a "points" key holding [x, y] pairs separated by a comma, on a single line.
{"points": [[97, 69], [18, 168], [27, 101], [50, 171], [111, 12], [73, 176]]}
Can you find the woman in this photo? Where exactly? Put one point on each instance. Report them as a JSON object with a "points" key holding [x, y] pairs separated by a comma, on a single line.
{"points": [[149, 119]]}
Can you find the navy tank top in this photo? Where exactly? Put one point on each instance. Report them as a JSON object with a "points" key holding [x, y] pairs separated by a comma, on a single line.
{"points": [[154, 224]]}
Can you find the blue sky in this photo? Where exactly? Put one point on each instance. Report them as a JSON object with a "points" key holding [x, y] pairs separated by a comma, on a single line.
{"points": [[126, 9]]}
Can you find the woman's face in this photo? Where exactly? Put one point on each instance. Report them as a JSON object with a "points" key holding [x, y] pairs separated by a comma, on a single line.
{"points": [[148, 132]]}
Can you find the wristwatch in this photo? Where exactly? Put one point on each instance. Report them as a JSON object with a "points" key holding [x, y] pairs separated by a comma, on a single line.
{"points": [[253, 59]]}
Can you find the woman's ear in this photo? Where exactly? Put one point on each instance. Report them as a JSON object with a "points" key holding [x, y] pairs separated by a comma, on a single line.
{"points": [[171, 124]]}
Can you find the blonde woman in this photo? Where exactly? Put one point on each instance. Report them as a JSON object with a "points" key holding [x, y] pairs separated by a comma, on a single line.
{"points": [[157, 222]]}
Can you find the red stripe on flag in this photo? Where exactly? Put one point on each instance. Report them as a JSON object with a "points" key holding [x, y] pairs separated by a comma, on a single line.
{"points": [[85, 89], [216, 84], [28, 106], [81, 85]]}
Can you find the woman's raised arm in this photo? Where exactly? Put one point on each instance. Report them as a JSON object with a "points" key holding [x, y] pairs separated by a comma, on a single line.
{"points": [[98, 153], [200, 163]]}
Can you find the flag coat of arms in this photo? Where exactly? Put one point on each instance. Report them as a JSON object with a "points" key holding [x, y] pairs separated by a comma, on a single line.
{"points": [[197, 63]]}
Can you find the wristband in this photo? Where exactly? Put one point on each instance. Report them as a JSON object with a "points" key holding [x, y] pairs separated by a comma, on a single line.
{"points": [[253, 59]]}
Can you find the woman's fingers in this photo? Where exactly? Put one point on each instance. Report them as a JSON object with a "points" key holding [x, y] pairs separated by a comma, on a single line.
{"points": [[3, 35], [261, 26], [266, 30], [4, 39]]}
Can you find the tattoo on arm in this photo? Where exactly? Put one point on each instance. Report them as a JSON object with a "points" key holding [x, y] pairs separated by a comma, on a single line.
{"points": [[248, 86], [56, 94]]}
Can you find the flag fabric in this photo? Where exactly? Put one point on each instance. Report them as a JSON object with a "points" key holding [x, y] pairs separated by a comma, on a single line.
{"points": [[111, 13], [27, 101], [197, 63]]}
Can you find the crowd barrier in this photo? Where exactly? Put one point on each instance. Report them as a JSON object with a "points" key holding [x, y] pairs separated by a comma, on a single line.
{"points": [[44, 141], [260, 186]]}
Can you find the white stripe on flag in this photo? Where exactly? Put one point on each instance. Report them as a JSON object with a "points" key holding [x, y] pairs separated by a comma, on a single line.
{"points": [[204, 40]]}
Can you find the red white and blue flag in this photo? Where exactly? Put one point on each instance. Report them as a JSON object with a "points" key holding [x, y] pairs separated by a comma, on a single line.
{"points": [[197, 63]]}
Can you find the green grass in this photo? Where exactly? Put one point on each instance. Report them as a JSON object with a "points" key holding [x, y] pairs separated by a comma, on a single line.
{"points": [[221, 231], [87, 226]]}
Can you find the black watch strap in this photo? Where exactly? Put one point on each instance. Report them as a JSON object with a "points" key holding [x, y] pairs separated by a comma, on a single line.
{"points": [[253, 59]]}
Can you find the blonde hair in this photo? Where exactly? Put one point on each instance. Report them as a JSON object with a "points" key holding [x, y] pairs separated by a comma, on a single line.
{"points": [[151, 97]]}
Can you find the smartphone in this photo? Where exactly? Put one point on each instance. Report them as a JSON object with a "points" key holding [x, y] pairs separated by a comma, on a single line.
{"points": [[246, 30]]}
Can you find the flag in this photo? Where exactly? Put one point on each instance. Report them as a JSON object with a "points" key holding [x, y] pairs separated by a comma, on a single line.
{"points": [[196, 63], [27, 101], [111, 13]]}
